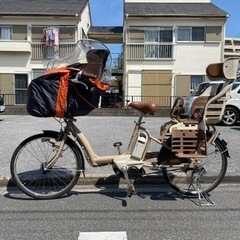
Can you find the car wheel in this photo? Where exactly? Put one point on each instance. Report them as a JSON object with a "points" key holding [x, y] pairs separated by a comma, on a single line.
{"points": [[230, 117]]}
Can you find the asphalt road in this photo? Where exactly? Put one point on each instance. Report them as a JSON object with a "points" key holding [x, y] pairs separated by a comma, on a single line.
{"points": [[101, 132], [154, 213]]}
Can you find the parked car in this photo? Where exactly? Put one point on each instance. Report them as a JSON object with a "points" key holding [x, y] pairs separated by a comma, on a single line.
{"points": [[232, 111], [2, 106]]}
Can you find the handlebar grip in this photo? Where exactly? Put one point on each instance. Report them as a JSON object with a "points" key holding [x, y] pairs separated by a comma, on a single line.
{"points": [[86, 74]]}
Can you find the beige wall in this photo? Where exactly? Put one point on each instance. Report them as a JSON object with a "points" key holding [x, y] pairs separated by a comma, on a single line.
{"points": [[67, 34], [6, 83], [214, 33], [135, 35], [182, 85], [19, 32]]}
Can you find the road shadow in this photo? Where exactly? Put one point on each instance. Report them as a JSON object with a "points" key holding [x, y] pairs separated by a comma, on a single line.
{"points": [[116, 188], [13, 192], [237, 128]]}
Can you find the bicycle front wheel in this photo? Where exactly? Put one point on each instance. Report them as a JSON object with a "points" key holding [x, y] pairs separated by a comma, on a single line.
{"points": [[206, 176], [30, 158]]}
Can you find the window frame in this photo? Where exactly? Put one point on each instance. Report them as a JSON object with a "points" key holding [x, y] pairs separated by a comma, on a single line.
{"points": [[191, 37], [157, 48], [193, 84], [21, 89]]}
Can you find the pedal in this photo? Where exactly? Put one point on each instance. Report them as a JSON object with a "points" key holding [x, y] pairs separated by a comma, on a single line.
{"points": [[131, 191], [118, 146], [154, 166]]}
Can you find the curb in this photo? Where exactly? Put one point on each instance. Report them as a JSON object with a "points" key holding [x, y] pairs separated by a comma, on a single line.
{"points": [[109, 179]]}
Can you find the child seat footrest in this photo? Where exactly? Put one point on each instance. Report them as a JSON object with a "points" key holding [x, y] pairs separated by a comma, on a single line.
{"points": [[180, 155]]}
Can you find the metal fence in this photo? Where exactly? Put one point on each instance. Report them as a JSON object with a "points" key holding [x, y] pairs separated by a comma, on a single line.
{"points": [[14, 99], [163, 101], [106, 101]]}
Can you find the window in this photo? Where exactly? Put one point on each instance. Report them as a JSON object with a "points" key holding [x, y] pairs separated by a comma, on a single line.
{"points": [[21, 84], [188, 34], [158, 43], [5, 32], [195, 81]]}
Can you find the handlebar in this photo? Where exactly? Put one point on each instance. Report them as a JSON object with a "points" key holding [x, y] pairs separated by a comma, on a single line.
{"points": [[86, 74], [83, 73]]}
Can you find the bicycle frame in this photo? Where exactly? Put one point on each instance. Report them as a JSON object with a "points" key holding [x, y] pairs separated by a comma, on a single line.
{"points": [[91, 156]]}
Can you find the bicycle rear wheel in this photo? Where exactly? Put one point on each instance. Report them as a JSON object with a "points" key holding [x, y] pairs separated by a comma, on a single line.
{"points": [[30, 158], [202, 178]]}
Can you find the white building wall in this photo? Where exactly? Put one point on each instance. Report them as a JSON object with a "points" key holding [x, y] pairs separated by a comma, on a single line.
{"points": [[134, 85], [84, 22], [195, 59], [14, 62]]}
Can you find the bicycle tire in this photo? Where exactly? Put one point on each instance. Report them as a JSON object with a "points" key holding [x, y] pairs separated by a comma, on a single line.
{"points": [[29, 158], [213, 169]]}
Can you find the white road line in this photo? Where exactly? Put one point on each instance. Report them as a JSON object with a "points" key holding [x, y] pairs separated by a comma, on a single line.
{"points": [[102, 236]]}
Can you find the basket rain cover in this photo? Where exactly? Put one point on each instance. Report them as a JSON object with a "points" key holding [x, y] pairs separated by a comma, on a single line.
{"points": [[42, 96], [82, 99]]}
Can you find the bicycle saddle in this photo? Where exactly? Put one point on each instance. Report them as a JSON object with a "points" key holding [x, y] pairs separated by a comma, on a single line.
{"points": [[145, 107]]}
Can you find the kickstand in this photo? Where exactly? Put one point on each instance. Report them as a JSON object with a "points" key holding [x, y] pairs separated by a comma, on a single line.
{"points": [[203, 196], [131, 188]]}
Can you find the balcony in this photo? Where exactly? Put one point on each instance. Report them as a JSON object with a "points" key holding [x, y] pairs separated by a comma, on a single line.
{"points": [[149, 51]]}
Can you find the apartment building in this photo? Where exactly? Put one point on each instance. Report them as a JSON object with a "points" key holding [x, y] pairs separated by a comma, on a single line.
{"points": [[232, 47], [32, 33], [168, 45]]}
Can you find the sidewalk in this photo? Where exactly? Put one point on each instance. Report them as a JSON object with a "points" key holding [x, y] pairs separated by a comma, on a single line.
{"points": [[101, 132]]}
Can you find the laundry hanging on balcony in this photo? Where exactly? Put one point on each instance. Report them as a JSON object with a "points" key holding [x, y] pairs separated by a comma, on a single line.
{"points": [[51, 36]]}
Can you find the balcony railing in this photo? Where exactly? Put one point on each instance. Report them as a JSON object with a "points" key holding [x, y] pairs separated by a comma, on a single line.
{"points": [[149, 51], [19, 99], [40, 51]]}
